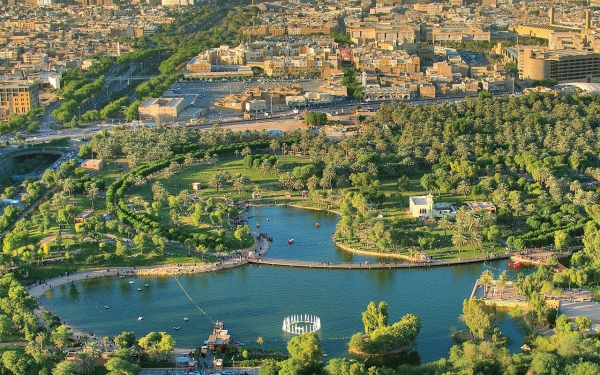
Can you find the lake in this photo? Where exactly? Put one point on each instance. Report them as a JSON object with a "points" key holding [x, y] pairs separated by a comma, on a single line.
{"points": [[253, 300]]}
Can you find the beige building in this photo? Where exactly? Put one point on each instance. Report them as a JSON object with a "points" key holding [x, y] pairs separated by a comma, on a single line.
{"points": [[93, 164], [562, 65], [17, 97], [161, 107], [256, 106]]}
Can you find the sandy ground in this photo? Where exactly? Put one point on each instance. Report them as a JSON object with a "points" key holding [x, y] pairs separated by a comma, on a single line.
{"points": [[279, 124]]}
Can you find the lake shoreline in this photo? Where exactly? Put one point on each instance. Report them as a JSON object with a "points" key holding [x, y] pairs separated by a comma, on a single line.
{"points": [[261, 247]]}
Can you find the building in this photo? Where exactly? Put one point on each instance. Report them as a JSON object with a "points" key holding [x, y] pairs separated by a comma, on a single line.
{"points": [[17, 97], [256, 106], [83, 215], [161, 107], [481, 206], [93, 164], [562, 65], [219, 338], [424, 206]]}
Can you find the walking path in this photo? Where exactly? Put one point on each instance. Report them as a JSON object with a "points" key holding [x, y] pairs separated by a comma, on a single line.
{"points": [[258, 250], [369, 265]]}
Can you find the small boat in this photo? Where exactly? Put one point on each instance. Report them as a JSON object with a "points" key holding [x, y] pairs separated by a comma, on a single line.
{"points": [[324, 354], [317, 225], [290, 241], [121, 277], [257, 225], [132, 282], [177, 328], [186, 318], [515, 265], [268, 219], [106, 307], [139, 289], [147, 285], [140, 318]]}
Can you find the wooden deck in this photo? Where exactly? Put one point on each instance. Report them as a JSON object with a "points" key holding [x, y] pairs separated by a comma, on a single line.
{"points": [[369, 265]]}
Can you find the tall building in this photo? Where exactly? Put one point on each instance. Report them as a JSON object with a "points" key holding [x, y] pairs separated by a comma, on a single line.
{"points": [[17, 97], [562, 65]]}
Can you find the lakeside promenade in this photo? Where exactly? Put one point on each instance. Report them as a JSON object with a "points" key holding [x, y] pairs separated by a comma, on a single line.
{"points": [[258, 250]]}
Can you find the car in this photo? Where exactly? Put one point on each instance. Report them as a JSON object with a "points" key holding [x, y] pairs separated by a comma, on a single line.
{"points": [[228, 372]]}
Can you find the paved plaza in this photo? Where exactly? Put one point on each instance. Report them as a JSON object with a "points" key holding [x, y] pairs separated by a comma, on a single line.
{"points": [[154, 371], [162, 371], [573, 309]]}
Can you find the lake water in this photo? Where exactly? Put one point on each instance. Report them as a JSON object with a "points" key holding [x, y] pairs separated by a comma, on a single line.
{"points": [[254, 300]]}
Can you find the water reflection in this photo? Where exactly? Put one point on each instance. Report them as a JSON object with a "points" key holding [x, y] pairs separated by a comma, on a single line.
{"points": [[73, 291], [391, 361]]}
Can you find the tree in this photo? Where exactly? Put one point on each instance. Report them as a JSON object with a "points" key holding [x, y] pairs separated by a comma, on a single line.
{"points": [[583, 323], [476, 317], [305, 348], [125, 340], [502, 282], [92, 192], [65, 368], [61, 336], [494, 233], [463, 188], [403, 183], [444, 224], [545, 364], [86, 359], [486, 279], [219, 179], [118, 366], [459, 238], [375, 316], [561, 240], [140, 241], [15, 362]]}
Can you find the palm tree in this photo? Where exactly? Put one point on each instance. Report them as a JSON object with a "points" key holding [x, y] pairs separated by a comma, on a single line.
{"points": [[274, 145], [92, 192], [444, 224], [476, 240], [463, 188], [486, 279], [459, 239], [86, 359], [246, 151], [67, 185], [502, 282]]}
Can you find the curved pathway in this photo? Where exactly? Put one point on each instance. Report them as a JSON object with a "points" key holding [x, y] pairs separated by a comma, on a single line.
{"points": [[369, 265], [258, 250]]}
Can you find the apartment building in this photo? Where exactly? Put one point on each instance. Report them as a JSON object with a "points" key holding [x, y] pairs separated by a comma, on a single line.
{"points": [[17, 97]]}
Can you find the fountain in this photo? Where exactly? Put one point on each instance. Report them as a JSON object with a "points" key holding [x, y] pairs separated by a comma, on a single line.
{"points": [[299, 324]]}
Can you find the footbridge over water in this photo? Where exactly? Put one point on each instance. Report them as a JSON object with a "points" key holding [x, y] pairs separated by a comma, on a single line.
{"points": [[371, 265]]}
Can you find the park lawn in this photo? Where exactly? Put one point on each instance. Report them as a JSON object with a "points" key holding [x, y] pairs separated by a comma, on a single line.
{"points": [[18, 349], [202, 172], [11, 338], [50, 269]]}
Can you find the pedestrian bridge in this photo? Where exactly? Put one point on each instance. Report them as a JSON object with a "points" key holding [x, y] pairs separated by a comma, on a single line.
{"points": [[369, 265]]}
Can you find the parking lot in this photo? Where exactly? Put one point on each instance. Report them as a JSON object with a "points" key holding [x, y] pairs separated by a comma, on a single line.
{"points": [[162, 371], [207, 93]]}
